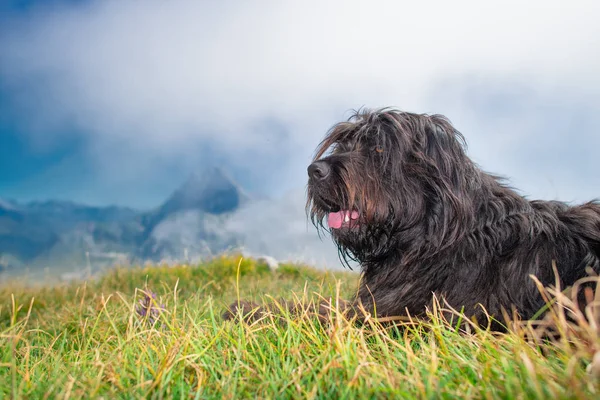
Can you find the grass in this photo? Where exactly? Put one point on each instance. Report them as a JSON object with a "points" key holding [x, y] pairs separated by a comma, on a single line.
{"points": [[86, 340]]}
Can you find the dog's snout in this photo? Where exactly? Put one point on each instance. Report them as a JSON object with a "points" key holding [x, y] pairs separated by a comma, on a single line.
{"points": [[319, 170]]}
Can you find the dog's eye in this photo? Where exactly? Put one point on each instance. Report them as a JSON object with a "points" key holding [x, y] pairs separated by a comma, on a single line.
{"points": [[379, 149], [344, 148], [339, 148]]}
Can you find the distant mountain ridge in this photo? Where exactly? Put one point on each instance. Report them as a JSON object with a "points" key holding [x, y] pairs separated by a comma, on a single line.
{"points": [[63, 233], [212, 192]]}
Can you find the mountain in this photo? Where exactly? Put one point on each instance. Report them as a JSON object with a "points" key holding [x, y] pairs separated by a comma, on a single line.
{"points": [[188, 223], [211, 192], [21, 237], [63, 234], [68, 213]]}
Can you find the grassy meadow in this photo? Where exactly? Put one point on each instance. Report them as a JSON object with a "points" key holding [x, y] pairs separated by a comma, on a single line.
{"points": [[111, 338]]}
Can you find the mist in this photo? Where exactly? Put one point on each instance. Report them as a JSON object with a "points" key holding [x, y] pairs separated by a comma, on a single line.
{"points": [[155, 89]]}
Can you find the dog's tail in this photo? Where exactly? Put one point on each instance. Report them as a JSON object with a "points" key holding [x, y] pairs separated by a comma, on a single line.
{"points": [[584, 220]]}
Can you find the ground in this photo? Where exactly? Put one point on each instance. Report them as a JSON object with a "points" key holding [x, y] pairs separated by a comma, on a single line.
{"points": [[110, 338]]}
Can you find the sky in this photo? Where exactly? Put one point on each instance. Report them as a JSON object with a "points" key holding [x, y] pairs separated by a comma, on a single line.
{"points": [[117, 102]]}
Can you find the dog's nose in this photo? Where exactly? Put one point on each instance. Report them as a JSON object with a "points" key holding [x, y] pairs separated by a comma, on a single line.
{"points": [[319, 170]]}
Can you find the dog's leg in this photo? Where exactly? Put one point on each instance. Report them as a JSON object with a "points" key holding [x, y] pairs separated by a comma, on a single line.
{"points": [[249, 311]]}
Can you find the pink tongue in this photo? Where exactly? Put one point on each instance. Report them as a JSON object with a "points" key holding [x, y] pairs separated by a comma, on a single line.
{"points": [[336, 220]]}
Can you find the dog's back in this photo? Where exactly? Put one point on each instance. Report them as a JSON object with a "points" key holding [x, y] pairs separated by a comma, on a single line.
{"points": [[584, 220]]}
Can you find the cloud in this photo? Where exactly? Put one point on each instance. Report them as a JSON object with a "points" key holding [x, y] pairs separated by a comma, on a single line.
{"points": [[542, 139], [255, 85], [279, 228], [168, 77]]}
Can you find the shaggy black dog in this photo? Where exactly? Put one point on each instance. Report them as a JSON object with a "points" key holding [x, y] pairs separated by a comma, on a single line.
{"points": [[401, 197]]}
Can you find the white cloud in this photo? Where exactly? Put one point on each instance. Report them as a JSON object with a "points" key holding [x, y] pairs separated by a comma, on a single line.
{"points": [[280, 229], [173, 71], [164, 78]]}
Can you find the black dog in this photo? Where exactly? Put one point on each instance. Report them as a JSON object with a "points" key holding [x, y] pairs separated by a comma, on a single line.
{"points": [[402, 198]]}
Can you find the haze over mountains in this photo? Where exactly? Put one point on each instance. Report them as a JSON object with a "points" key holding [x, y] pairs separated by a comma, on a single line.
{"points": [[191, 223]]}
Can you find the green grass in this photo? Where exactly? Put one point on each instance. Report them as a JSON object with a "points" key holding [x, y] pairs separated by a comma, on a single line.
{"points": [[85, 340]]}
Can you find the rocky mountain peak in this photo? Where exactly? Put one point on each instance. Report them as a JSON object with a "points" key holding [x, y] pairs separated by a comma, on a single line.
{"points": [[211, 191]]}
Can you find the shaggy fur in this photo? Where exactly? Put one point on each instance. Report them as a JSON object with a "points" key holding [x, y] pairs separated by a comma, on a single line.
{"points": [[426, 220]]}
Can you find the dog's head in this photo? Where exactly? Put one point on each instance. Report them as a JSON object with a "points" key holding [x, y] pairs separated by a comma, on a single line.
{"points": [[387, 180]]}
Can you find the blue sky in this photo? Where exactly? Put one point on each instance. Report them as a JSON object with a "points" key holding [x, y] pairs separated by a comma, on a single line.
{"points": [[117, 102], [25, 166]]}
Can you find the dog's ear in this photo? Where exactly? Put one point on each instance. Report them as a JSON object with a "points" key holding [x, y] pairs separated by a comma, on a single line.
{"points": [[450, 173], [444, 148]]}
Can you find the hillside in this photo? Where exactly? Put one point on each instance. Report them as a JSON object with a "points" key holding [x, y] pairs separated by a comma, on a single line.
{"points": [[65, 236], [108, 339]]}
